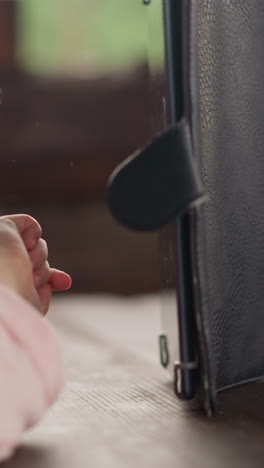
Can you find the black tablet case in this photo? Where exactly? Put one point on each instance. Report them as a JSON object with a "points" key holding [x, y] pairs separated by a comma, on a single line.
{"points": [[223, 69]]}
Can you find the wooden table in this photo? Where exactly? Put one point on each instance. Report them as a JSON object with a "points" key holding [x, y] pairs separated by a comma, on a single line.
{"points": [[118, 408]]}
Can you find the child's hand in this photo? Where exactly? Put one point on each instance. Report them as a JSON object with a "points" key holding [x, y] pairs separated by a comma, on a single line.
{"points": [[23, 261]]}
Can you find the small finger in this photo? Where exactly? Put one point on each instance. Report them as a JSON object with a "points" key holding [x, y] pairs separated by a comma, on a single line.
{"points": [[29, 229], [32, 235], [42, 275], [39, 254], [59, 280], [44, 293]]}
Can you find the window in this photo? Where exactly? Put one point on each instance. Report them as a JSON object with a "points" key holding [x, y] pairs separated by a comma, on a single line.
{"points": [[83, 36]]}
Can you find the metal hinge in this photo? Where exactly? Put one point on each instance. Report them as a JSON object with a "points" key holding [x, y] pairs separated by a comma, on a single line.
{"points": [[179, 367], [164, 350]]}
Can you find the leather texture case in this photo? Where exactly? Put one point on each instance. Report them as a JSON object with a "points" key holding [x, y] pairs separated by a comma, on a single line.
{"points": [[230, 51], [223, 81]]}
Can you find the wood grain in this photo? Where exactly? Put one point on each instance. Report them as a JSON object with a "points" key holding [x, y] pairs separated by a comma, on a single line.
{"points": [[118, 408]]}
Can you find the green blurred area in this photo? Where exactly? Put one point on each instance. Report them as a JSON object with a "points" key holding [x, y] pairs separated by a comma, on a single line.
{"points": [[82, 36]]}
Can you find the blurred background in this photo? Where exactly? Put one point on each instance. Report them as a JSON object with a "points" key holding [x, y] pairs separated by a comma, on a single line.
{"points": [[74, 102]]}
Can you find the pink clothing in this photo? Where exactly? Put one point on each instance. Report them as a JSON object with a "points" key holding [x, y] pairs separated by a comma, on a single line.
{"points": [[30, 368]]}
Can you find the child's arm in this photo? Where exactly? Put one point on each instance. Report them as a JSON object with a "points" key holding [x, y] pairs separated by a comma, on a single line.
{"points": [[30, 358]]}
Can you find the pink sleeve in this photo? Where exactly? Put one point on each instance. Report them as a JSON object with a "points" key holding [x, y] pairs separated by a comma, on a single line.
{"points": [[30, 368]]}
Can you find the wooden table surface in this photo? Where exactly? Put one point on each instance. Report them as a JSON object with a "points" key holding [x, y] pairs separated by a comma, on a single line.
{"points": [[118, 408]]}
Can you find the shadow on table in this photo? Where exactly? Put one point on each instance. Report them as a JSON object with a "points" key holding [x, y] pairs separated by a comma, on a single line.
{"points": [[27, 457]]}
